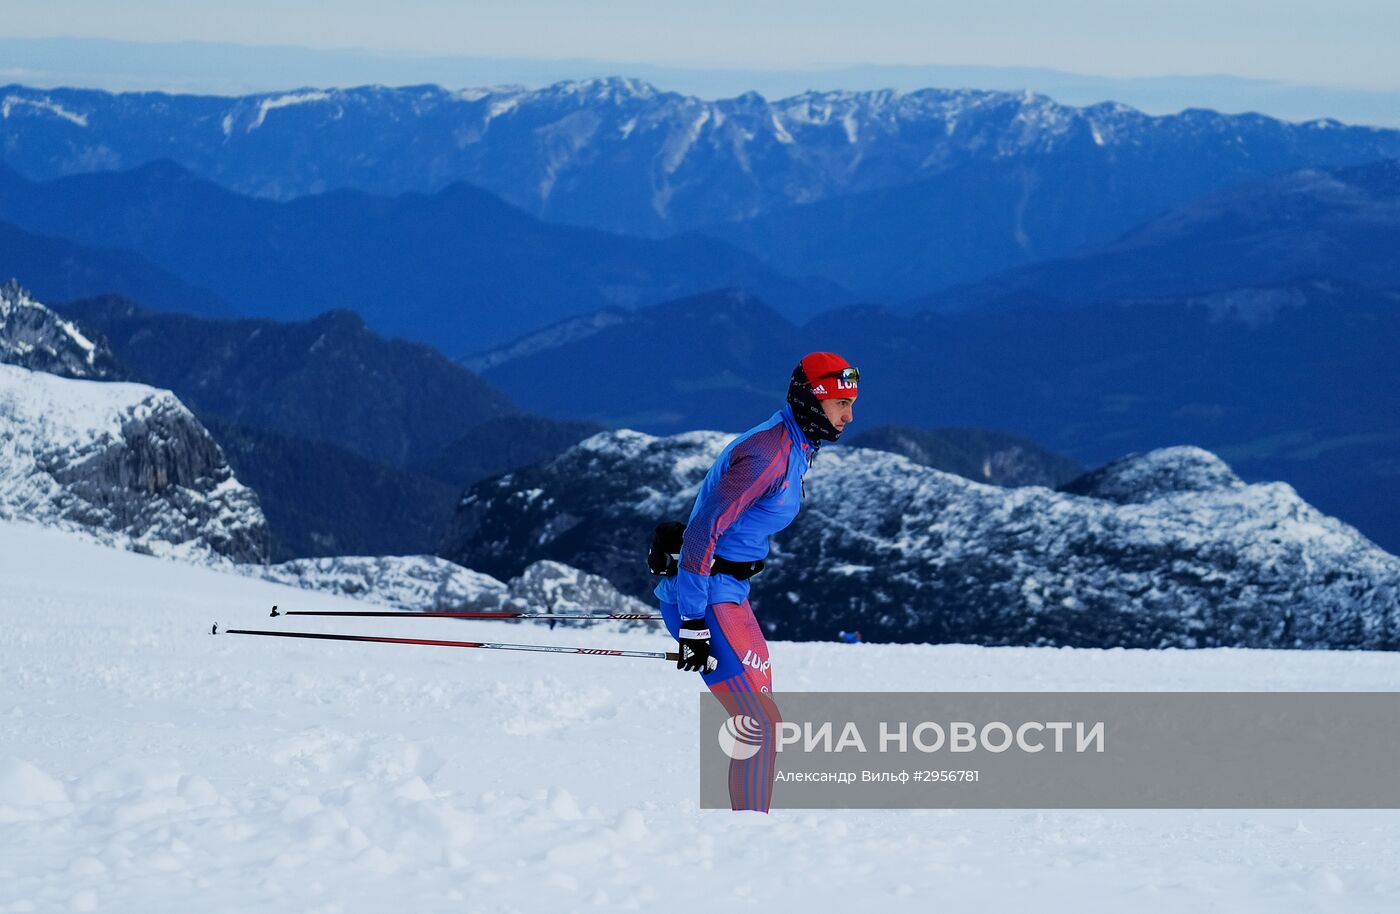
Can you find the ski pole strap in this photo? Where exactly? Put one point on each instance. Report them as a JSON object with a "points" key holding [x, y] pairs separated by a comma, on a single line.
{"points": [[486, 645]]}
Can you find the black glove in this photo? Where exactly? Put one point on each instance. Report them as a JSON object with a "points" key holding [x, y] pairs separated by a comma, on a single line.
{"points": [[695, 647], [666, 542]]}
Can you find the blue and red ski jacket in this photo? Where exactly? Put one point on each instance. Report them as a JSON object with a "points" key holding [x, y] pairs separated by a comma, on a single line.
{"points": [[753, 491]]}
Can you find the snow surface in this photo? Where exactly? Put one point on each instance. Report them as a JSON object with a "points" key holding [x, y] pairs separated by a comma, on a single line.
{"points": [[72, 413], [146, 765]]}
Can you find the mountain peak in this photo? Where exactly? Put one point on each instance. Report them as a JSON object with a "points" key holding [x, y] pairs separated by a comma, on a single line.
{"points": [[341, 320], [165, 171], [1163, 473], [12, 294], [32, 336], [605, 88]]}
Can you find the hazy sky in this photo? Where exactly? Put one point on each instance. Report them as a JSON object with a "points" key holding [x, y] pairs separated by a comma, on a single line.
{"points": [[1332, 42]]}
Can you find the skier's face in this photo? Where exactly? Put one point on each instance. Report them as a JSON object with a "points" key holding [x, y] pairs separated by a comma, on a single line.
{"points": [[838, 412]]}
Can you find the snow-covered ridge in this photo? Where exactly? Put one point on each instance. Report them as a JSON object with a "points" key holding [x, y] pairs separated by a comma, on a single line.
{"points": [[621, 155], [562, 333], [249, 113], [33, 336], [125, 463], [1168, 548]]}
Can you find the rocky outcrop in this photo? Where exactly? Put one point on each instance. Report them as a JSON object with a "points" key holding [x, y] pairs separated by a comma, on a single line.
{"points": [[554, 587], [34, 337], [408, 582], [126, 463], [419, 583]]}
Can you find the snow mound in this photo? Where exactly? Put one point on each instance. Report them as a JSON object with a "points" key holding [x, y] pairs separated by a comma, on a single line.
{"points": [[22, 784]]}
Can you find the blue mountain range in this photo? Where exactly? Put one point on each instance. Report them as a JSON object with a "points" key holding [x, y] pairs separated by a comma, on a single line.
{"points": [[891, 195], [458, 268], [1096, 279]]}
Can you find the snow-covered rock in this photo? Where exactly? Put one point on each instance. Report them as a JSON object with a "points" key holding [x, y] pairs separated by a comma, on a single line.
{"points": [[419, 583], [1162, 473], [126, 463], [408, 582], [1168, 548], [130, 466], [32, 336], [555, 587]]}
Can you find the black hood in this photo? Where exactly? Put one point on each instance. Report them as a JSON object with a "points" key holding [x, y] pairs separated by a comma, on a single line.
{"points": [[807, 410]]}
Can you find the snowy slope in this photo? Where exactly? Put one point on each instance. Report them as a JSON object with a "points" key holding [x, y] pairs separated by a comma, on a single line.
{"points": [[125, 463], [146, 765]]}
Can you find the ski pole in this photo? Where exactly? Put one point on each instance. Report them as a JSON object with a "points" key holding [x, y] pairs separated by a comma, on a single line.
{"points": [[488, 614], [488, 645]]}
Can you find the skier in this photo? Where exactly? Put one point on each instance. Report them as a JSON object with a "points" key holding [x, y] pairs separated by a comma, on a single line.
{"points": [[753, 490]]}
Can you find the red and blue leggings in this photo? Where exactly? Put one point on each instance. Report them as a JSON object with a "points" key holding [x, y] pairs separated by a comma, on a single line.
{"points": [[742, 682]]}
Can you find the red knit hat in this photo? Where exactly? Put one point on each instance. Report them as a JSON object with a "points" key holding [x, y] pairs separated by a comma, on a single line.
{"points": [[830, 376]]}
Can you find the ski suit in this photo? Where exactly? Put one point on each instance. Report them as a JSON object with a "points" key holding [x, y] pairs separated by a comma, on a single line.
{"points": [[753, 490]]}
